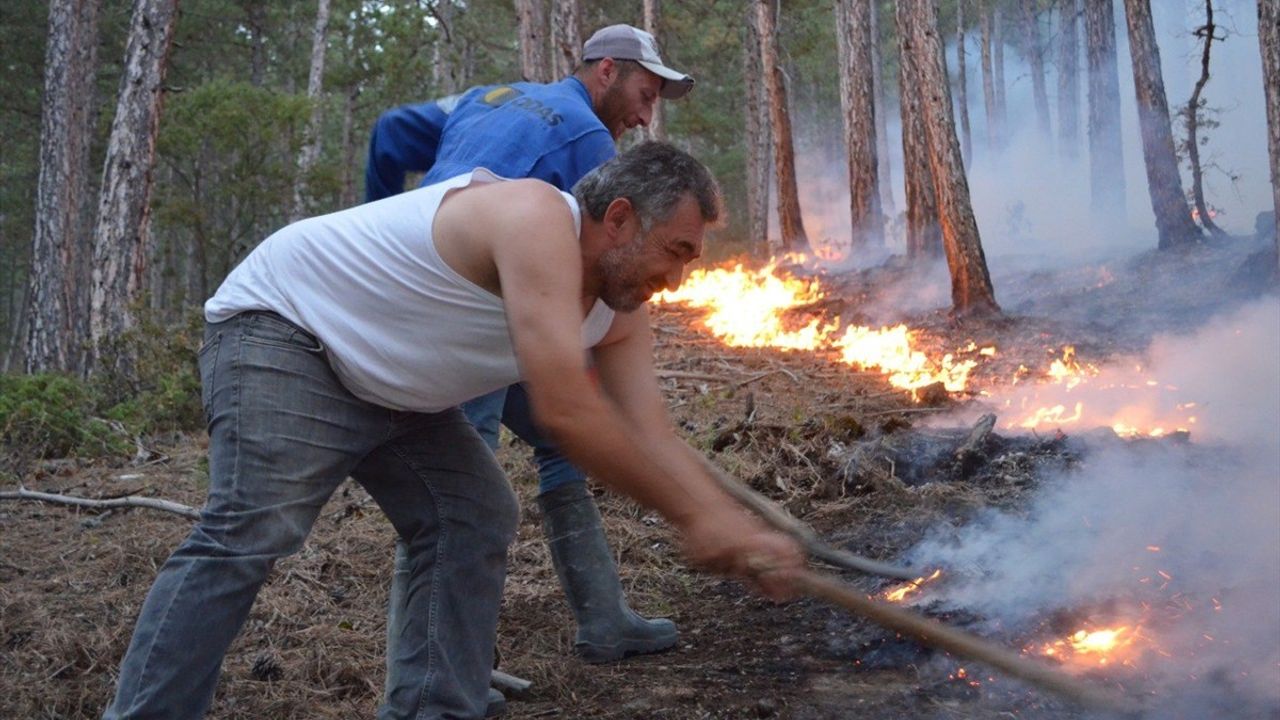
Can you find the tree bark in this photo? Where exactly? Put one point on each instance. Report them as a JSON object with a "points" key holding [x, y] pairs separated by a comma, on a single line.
{"points": [[857, 101], [657, 129], [759, 141], [971, 290], [1068, 79], [1106, 148], [994, 131], [790, 221], [882, 124], [997, 29], [1191, 116], [566, 36], [1168, 202], [310, 151], [1035, 52], [60, 245], [349, 162], [535, 66], [962, 86], [924, 236], [256, 20], [1269, 47], [120, 241], [444, 65]]}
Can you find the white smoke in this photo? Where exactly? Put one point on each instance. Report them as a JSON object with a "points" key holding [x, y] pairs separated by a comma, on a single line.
{"points": [[1206, 514]]}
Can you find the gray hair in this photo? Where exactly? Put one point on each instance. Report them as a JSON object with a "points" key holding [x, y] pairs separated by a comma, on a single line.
{"points": [[655, 177]]}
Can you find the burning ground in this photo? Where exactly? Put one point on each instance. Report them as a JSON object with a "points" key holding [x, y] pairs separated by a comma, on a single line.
{"points": [[1133, 541]]}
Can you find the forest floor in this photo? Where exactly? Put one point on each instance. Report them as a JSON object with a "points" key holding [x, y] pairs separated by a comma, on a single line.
{"points": [[71, 581]]}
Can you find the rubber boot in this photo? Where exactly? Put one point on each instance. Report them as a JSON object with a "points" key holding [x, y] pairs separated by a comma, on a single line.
{"points": [[608, 630]]}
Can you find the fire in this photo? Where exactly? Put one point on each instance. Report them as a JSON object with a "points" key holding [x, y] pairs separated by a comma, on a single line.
{"points": [[1102, 647], [901, 592], [1081, 395], [746, 308]]}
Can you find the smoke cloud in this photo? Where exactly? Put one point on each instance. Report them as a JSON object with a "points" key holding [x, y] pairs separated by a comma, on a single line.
{"points": [[1183, 536]]}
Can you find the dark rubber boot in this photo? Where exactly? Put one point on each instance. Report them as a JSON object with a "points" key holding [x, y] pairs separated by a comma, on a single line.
{"points": [[608, 630], [497, 704]]}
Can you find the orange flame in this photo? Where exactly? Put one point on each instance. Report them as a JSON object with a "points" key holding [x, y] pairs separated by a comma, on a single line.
{"points": [[901, 592], [745, 308], [1086, 648]]}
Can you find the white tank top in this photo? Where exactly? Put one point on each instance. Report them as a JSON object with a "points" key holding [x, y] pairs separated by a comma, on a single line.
{"points": [[401, 328]]}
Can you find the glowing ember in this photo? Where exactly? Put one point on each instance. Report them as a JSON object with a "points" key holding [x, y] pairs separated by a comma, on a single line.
{"points": [[901, 592]]}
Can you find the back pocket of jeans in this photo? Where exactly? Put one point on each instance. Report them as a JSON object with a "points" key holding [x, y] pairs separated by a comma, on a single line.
{"points": [[208, 360]]}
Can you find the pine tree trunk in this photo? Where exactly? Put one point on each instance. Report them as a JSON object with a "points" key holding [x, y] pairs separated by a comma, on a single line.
{"points": [[566, 36], [857, 101], [349, 162], [120, 240], [790, 221], [444, 55], [1068, 79], [1269, 46], [657, 129], [759, 141], [1173, 216], [971, 290], [994, 131], [1106, 148], [256, 21], [310, 151], [997, 38], [535, 66], [962, 87], [61, 243], [924, 236], [882, 123], [1035, 51]]}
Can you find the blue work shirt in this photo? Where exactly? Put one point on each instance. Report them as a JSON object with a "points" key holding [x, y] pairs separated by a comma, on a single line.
{"points": [[522, 130]]}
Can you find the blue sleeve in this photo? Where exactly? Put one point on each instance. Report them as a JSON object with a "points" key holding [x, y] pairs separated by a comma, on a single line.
{"points": [[565, 166], [404, 140]]}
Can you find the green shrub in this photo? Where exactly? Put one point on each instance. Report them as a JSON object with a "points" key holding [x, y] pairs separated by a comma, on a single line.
{"points": [[49, 415]]}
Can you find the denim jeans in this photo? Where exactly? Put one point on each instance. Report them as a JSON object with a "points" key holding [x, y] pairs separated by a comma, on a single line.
{"points": [[284, 434], [511, 407]]}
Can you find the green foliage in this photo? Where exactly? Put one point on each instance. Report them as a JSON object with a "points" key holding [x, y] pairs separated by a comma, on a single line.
{"points": [[49, 415], [161, 391], [52, 415]]}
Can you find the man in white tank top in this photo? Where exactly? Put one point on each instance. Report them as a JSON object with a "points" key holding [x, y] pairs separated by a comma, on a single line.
{"points": [[342, 346]]}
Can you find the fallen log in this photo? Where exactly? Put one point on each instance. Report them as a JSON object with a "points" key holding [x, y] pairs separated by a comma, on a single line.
{"points": [[781, 520], [128, 501]]}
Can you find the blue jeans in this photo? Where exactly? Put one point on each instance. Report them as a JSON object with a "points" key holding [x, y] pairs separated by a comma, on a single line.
{"points": [[284, 434], [510, 406]]}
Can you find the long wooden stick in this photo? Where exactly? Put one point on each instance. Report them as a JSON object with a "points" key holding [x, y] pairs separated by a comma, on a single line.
{"points": [[960, 643], [128, 501], [784, 521]]}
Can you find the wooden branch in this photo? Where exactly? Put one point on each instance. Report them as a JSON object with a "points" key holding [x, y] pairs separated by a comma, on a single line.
{"points": [[781, 520], [684, 375], [510, 685], [128, 501], [981, 430], [957, 642]]}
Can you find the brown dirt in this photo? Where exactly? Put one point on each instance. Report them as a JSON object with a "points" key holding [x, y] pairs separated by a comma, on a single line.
{"points": [[71, 581]]}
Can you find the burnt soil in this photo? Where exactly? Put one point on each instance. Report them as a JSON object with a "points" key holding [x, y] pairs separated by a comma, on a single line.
{"points": [[71, 581]]}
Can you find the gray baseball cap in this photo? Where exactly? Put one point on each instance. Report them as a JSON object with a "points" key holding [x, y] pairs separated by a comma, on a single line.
{"points": [[623, 42]]}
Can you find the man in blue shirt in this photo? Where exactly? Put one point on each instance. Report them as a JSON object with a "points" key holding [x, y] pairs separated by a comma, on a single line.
{"points": [[556, 132]]}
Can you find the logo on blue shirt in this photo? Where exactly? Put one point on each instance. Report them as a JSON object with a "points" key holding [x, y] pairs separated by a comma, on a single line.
{"points": [[500, 96]]}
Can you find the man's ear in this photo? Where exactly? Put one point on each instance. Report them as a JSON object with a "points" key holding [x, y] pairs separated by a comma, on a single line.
{"points": [[606, 72], [616, 216]]}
